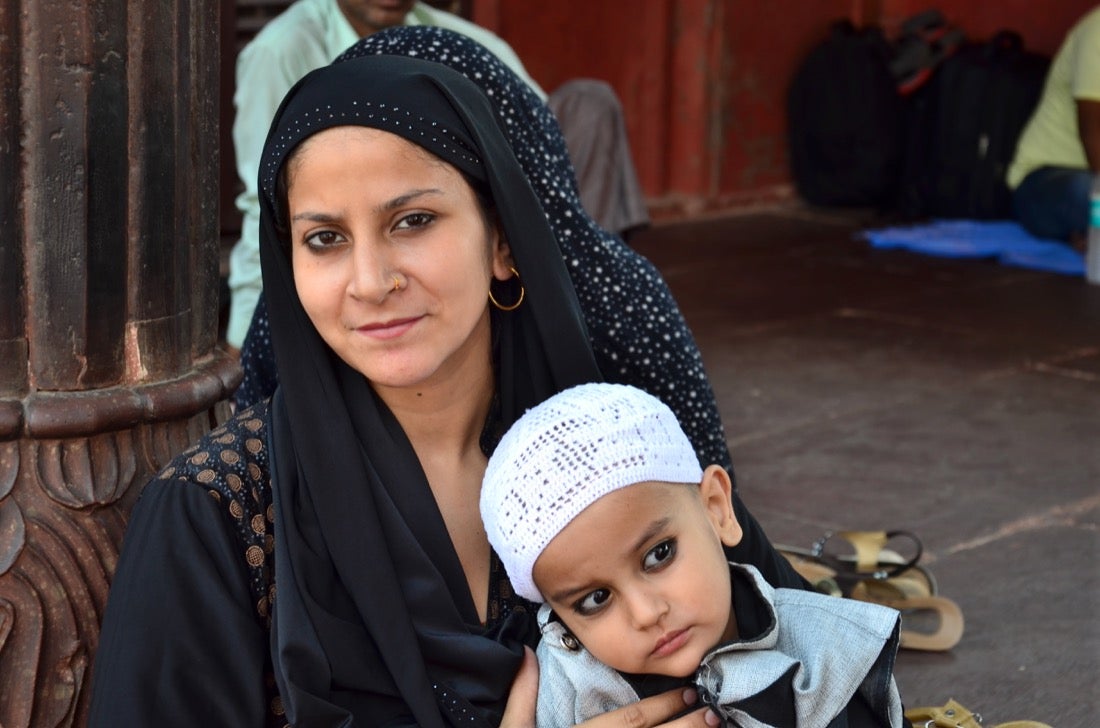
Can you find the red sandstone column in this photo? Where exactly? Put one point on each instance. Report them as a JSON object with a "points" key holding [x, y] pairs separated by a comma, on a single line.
{"points": [[108, 309]]}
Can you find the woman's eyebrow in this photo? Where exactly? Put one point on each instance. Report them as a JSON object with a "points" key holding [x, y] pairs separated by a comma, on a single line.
{"points": [[393, 204], [408, 197], [314, 217]]}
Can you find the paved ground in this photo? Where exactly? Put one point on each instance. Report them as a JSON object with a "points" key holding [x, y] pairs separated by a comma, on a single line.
{"points": [[959, 400]]}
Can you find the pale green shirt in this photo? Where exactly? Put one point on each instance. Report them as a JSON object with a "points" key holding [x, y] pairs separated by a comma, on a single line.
{"points": [[307, 35], [1051, 137]]}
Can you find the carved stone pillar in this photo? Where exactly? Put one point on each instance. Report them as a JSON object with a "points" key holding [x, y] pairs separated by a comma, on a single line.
{"points": [[108, 308]]}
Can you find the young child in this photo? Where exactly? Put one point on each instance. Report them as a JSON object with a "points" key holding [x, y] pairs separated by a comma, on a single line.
{"points": [[597, 506]]}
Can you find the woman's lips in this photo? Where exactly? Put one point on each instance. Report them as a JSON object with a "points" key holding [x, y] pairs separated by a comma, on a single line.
{"points": [[386, 330], [671, 642]]}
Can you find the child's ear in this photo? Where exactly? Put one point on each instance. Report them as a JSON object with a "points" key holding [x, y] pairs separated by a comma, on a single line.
{"points": [[716, 490]]}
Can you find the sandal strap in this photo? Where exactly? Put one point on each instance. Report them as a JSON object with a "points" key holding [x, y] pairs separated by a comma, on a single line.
{"points": [[868, 546], [954, 715], [946, 635], [951, 715]]}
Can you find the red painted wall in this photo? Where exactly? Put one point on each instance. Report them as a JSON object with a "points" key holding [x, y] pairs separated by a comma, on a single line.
{"points": [[703, 82]]}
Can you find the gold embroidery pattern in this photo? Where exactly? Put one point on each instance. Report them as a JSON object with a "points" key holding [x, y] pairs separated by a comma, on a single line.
{"points": [[231, 463], [228, 458]]}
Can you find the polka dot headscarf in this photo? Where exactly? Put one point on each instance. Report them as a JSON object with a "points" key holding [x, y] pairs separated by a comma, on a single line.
{"points": [[637, 332]]}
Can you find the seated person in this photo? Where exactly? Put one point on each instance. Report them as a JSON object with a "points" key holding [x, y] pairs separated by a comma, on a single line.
{"points": [[597, 506], [1058, 153]]}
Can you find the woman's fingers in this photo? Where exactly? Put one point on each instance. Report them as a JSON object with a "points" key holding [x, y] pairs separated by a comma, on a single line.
{"points": [[657, 711], [519, 712]]}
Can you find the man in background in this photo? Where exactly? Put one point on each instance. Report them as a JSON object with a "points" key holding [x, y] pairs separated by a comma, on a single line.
{"points": [[311, 33], [1059, 150]]}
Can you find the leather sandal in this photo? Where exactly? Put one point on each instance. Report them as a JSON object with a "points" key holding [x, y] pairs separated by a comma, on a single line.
{"points": [[954, 715], [842, 573], [872, 560], [873, 573]]}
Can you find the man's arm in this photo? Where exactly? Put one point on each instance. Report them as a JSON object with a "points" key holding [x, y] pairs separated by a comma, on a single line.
{"points": [[1084, 84], [1088, 126], [263, 78]]}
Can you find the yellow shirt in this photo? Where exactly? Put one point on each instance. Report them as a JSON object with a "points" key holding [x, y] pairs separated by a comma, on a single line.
{"points": [[1051, 137]]}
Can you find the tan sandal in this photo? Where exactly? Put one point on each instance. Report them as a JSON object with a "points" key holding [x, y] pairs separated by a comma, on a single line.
{"points": [[876, 574], [954, 715]]}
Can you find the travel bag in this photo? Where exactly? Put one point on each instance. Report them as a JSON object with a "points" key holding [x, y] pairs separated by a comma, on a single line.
{"points": [[962, 129], [844, 120]]}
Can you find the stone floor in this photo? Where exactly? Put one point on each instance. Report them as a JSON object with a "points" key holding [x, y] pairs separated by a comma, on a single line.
{"points": [[959, 400]]}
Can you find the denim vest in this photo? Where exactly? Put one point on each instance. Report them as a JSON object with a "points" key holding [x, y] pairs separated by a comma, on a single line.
{"points": [[817, 653]]}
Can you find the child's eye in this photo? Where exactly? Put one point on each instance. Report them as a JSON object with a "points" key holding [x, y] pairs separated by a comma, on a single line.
{"points": [[415, 220], [323, 239], [592, 602], [659, 555]]}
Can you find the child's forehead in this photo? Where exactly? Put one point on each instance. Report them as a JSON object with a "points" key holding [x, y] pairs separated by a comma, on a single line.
{"points": [[653, 490], [632, 507], [614, 530]]}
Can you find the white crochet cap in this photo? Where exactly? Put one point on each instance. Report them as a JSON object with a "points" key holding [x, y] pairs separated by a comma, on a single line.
{"points": [[565, 454]]}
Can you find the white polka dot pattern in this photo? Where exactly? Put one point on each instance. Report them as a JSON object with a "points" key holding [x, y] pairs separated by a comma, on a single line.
{"points": [[638, 334]]}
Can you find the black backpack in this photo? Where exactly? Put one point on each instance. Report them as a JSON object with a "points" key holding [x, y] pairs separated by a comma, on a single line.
{"points": [[963, 127], [845, 120]]}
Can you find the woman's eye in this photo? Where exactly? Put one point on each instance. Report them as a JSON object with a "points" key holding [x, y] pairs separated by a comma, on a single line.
{"points": [[660, 554], [323, 239], [592, 602], [415, 220]]}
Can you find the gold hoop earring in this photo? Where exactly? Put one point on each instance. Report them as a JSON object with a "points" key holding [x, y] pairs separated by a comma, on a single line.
{"points": [[514, 306]]}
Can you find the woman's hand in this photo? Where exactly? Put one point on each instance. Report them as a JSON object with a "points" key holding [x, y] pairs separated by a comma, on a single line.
{"points": [[649, 713], [655, 711], [519, 712]]}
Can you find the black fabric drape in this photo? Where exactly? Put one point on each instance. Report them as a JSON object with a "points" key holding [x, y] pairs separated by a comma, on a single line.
{"points": [[636, 330]]}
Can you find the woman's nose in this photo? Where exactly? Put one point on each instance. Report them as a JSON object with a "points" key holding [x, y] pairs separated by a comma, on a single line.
{"points": [[370, 277]]}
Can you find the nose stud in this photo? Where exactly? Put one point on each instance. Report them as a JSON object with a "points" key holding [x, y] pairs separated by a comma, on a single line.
{"points": [[396, 283]]}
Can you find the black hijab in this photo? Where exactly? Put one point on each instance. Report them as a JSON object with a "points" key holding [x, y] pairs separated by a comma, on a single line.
{"points": [[636, 330], [373, 621]]}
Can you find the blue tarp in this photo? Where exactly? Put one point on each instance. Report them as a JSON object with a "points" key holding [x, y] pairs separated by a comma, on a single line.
{"points": [[1001, 239]]}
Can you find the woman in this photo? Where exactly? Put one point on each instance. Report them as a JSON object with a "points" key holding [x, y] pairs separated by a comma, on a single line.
{"points": [[418, 305], [637, 333]]}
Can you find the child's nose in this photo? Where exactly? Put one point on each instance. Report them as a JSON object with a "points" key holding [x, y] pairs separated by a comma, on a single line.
{"points": [[647, 607]]}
